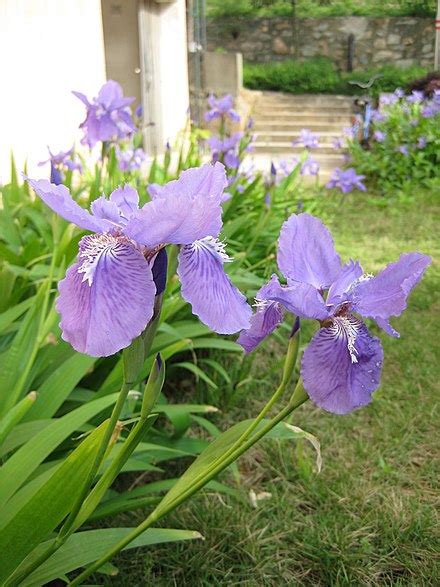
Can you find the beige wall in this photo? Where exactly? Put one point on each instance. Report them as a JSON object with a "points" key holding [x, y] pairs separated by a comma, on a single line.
{"points": [[47, 49], [50, 47], [121, 39]]}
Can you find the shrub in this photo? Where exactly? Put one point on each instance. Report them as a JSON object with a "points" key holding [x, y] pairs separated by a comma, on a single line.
{"points": [[318, 8], [405, 147], [319, 75]]}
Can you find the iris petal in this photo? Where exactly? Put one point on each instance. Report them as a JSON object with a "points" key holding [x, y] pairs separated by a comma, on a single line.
{"points": [[268, 316], [386, 294], [105, 209], [126, 199], [184, 211], [103, 314], [349, 273], [207, 179], [301, 299], [306, 252], [205, 285], [341, 366], [58, 198]]}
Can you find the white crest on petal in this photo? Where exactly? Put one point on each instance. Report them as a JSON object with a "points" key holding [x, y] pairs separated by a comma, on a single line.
{"points": [[348, 327], [92, 247], [356, 282], [211, 243]]}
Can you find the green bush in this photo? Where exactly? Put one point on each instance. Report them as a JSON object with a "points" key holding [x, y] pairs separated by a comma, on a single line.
{"points": [[404, 150], [320, 8], [319, 76]]}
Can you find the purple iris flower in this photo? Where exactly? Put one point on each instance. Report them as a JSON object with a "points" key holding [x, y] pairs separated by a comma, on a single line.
{"points": [[351, 131], [107, 297], [59, 162], [221, 107], [130, 159], [250, 123], [433, 107], [378, 116], [139, 112], [399, 93], [346, 181], [338, 143], [421, 142], [310, 166], [63, 159], [403, 149], [341, 367], [108, 115], [416, 97], [379, 136], [388, 99], [226, 148], [307, 138]]}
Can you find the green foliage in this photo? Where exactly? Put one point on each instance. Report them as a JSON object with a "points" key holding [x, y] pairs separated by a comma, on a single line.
{"points": [[319, 76], [388, 168], [320, 8], [370, 516], [50, 439]]}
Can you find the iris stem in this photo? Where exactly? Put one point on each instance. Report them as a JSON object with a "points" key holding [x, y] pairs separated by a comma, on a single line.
{"points": [[296, 400]]}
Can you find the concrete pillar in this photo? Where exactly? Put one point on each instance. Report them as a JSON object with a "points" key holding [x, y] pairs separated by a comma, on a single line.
{"points": [[223, 73]]}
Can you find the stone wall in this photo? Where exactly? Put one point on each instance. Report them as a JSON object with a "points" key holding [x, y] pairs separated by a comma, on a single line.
{"points": [[401, 41]]}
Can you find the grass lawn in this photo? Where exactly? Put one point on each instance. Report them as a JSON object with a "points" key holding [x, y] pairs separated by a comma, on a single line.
{"points": [[369, 517]]}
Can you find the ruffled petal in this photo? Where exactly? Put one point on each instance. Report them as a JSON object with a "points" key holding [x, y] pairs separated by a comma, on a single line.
{"points": [[181, 213], [126, 199], [209, 180], [82, 97], [205, 285], [386, 294], [106, 299], [58, 198], [348, 275], [105, 209], [341, 366], [110, 92], [268, 316], [306, 252], [302, 299]]}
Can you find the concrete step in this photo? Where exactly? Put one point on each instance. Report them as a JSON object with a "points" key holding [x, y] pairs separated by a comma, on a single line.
{"points": [[286, 147], [305, 98], [290, 133], [294, 150], [332, 127], [302, 112], [303, 118], [294, 128]]}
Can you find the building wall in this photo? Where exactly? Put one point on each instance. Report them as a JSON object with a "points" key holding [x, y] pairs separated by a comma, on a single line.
{"points": [[47, 49], [165, 79], [50, 47], [121, 39], [378, 41]]}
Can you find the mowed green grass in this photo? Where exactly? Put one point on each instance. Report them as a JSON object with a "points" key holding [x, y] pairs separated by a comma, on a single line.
{"points": [[369, 517]]}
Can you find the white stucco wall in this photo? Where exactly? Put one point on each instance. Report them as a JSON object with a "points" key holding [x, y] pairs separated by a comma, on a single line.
{"points": [[47, 49]]}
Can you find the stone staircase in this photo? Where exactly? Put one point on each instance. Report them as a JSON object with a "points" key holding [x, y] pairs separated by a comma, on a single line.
{"points": [[280, 117]]}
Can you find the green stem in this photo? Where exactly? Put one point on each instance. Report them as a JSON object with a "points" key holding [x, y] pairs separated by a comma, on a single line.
{"points": [[110, 474], [116, 412], [298, 398], [289, 365]]}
